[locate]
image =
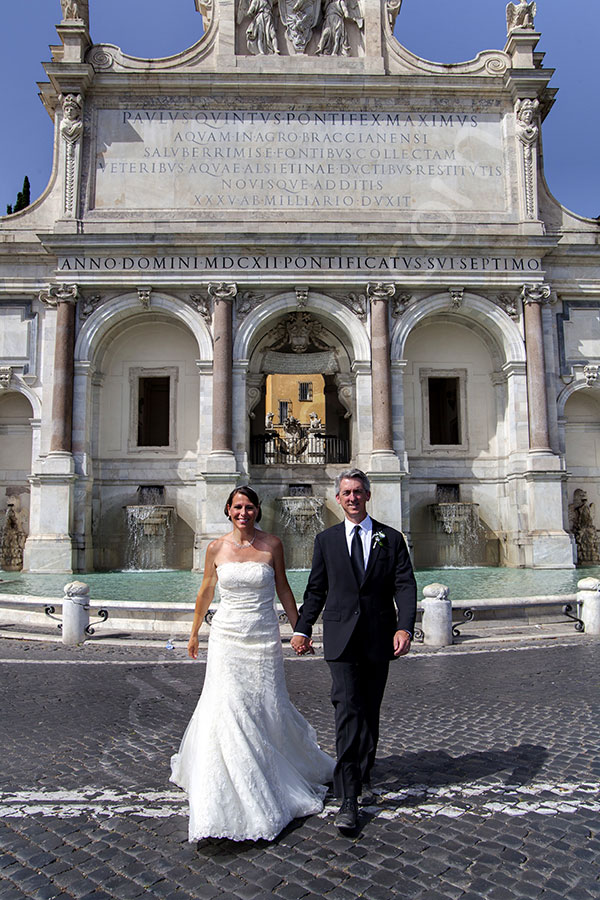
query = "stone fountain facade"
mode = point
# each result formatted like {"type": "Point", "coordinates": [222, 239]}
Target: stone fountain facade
{"type": "Point", "coordinates": [297, 194]}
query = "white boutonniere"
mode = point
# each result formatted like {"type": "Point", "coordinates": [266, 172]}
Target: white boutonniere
{"type": "Point", "coordinates": [378, 539]}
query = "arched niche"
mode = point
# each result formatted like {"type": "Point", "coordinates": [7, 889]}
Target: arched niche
{"type": "Point", "coordinates": [299, 383]}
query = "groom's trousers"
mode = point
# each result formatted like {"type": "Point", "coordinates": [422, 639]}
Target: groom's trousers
{"type": "Point", "coordinates": [358, 685]}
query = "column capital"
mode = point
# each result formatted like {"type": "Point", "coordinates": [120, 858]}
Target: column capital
{"type": "Point", "coordinates": [59, 293]}
{"type": "Point", "coordinates": [380, 290]}
{"type": "Point", "coordinates": [536, 293]}
{"type": "Point", "coordinates": [222, 290]}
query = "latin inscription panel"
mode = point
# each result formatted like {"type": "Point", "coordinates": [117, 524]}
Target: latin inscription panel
{"type": "Point", "coordinates": [269, 161]}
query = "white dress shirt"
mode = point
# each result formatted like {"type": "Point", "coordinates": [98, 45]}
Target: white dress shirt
{"type": "Point", "coordinates": [365, 534]}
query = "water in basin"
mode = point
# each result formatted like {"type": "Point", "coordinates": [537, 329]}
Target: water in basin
{"type": "Point", "coordinates": [178, 586]}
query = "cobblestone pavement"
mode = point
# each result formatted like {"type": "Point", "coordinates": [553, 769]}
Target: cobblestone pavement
{"type": "Point", "coordinates": [488, 779]}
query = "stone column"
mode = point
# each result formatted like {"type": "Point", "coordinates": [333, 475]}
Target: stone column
{"type": "Point", "coordinates": [381, 378]}
{"type": "Point", "coordinates": [534, 296]}
{"type": "Point", "coordinates": [222, 295]}
{"type": "Point", "coordinates": [219, 476]}
{"type": "Point", "coordinates": [64, 298]}
{"type": "Point", "coordinates": [50, 546]}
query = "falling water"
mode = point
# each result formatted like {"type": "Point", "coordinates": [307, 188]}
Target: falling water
{"type": "Point", "coordinates": [461, 537]}
{"type": "Point", "coordinates": [302, 519]}
{"type": "Point", "coordinates": [149, 526]}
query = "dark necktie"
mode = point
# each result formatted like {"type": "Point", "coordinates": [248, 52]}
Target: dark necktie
{"type": "Point", "coordinates": [357, 556]}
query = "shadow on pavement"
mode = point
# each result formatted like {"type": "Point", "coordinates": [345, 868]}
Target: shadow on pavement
{"type": "Point", "coordinates": [437, 768]}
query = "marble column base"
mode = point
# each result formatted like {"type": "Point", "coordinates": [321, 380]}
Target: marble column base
{"type": "Point", "coordinates": [50, 546]}
{"type": "Point", "coordinates": [386, 476]}
{"type": "Point", "coordinates": [219, 478]}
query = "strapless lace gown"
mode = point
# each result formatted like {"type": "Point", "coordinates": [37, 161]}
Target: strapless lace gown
{"type": "Point", "coordinates": [249, 762]}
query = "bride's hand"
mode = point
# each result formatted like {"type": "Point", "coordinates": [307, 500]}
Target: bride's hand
{"type": "Point", "coordinates": [192, 647]}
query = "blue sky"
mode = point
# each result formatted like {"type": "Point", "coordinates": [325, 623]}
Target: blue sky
{"type": "Point", "coordinates": [441, 30]}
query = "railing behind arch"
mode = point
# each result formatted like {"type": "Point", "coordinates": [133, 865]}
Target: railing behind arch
{"type": "Point", "coordinates": [321, 449]}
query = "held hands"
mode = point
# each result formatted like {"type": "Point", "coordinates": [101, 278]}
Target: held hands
{"type": "Point", "coordinates": [401, 643]}
{"type": "Point", "coordinates": [301, 644]}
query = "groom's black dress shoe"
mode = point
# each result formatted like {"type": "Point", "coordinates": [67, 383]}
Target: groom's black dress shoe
{"type": "Point", "coordinates": [347, 817]}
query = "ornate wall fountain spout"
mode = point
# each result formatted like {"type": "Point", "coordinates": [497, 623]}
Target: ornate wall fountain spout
{"type": "Point", "coordinates": [302, 519]}
{"type": "Point", "coordinates": [148, 526]}
{"type": "Point", "coordinates": [461, 537]}
{"type": "Point", "coordinates": [12, 542]}
{"type": "Point", "coordinates": [582, 526]}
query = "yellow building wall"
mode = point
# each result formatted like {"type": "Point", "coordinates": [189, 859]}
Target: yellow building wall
{"type": "Point", "coordinates": [286, 387]}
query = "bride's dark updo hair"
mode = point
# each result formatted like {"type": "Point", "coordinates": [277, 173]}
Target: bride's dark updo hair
{"type": "Point", "coordinates": [251, 495]}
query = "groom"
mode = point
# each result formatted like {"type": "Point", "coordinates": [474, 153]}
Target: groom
{"type": "Point", "coordinates": [362, 579]}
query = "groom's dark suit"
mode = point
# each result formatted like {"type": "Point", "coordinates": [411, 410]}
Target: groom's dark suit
{"type": "Point", "coordinates": [359, 623]}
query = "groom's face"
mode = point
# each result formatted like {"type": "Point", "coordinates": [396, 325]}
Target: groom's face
{"type": "Point", "coordinates": [353, 499]}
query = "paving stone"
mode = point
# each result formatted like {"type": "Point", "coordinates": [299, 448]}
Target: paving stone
{"type": "Point", "coordinates": [508, 733]}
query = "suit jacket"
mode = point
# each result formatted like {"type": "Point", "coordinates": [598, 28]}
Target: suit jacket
{"type": "Point", "coordinates": [385, 601]}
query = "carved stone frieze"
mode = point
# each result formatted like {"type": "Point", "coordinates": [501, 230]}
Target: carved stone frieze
{"type": "Point", "coordinates": [59, 293]}
{"type": "Point", "coordinates": [71, 129]}
{"type": "Point", "coordinates": [298, 333]}
{"type": "Point", "coordinates": [246, 301]}
{"type": "Point", "coordinates": [456, 297]}
{"type": "Point", "coordinates": [87, 305]}
{"type": "Point", "coordinates": [509, 304]}
{"type": "Point", "coordinates": [536, 293]}
{"type": "Point", "coordinates": [261, 32]}
{"type": "Point", "coordinates": [6, 374]}
{"type": "Point", "coordinates": [380, 291]}
{"type": "Point", "coordinates": [300, 17]}
{"type": "Point", "coordinates": [591, 375]}
{"type": "Point", "coordinates": [334, 39]}
{"type": "Point", "coordinates": [202, 305]}
{"type": "Point", "coordinates": [400, 303]}
{"type": "Point", "coordinates": [144, 295]}
{"type": "Point", "coordinates": [301, 296]}
{"type": "Point", "coordinates": [526, 113]}
{"type": "Point", "coordinates": [254, 386]}
{"type": "Point", "coordinates": [222, 290]}
{"type": "Point", "coordinates": [206, 10]}
{"type": "Point", "coordinates": [345, 392]}
{"type": "Point", "coordinates": [392, 8]}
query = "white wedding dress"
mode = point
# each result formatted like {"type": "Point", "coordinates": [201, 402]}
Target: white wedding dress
{"type": "Point", "coordinates": [249, 762]}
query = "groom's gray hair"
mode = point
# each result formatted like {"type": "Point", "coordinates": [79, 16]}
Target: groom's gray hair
{"type": "Point", "coordinates": [352, 473]}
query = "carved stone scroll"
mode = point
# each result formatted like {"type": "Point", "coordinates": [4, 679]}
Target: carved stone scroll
{"type": "Point", "coordinates": [59, 293]}
{"type": "Point", "coordinates": [71, 129]}
{"type": "Point", "coordinates": [526, 112]}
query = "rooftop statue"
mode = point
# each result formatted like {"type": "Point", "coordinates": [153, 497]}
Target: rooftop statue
{"type": "Point", "coordinates": [393, 8]}
{"type": "Point", "coordinates": [520, 15]}
{"type": "Point", "coordinates": [76, 11]}
{"type": "Point", "coordinates": [300, 17]}
{"type": "Point", "coordinates": [261, 33]}
{"type": "Point", "coordinates": [334, 36]}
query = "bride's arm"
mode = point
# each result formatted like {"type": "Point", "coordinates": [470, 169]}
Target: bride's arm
{"type": "Point", "coordinates": [204, 598]}
{"type": "Point", "coordinates": [284, 591]}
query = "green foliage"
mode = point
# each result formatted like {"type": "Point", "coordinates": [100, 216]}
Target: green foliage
{"type": "Point", "coordinates": [23, 198]}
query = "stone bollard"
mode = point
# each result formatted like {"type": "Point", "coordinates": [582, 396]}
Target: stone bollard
{"type": "Point", "coordinates": [437, 615]}
{"type": "Point", "coordinates": [588, 598]}
{"type": "Point", "coordinates": [76, 612]}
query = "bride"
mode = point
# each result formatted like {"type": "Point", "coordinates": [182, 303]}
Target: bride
{"type": "Point", "coordinates": [249, 762]}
